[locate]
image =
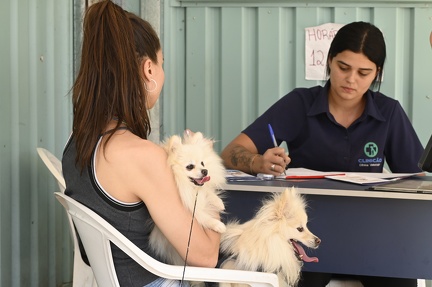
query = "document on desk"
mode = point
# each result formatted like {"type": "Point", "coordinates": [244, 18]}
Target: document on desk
{"type": "Point", "coordinates": [305, 173]}
{"type": "Point", "coordinates": [364, 178]}
{"type": "Point", "coordinates": [370, 178]}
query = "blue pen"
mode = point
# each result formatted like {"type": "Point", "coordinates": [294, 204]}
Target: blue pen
{"type": "Point", "coordinates": [273, 138]}
{"type": "Point", "coordinates": [272, 135]}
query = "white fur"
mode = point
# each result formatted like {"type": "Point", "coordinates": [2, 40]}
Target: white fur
{"type": "Point", "coordinates": [263, 243]}
{"type": "Point", "coordinates": [188, 157]}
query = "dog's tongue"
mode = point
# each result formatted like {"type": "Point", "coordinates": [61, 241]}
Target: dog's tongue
{"type": "Point", "coordinates": [303, 254]}
{"type": "Point", "coordinates": [204, 179]}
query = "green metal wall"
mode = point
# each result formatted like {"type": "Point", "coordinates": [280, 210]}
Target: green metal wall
{"type": "Point", "coordinates": [225, 63]}
{"type": "Point", "coordinates": [39, 46]}
{"type": "Point", "coordinates": [228, 61]}
{"type": "Point", "coordinates": [35, 76]}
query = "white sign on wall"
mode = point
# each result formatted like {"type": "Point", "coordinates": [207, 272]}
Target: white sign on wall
{"type": "Point", "coordinates": [317, 44]}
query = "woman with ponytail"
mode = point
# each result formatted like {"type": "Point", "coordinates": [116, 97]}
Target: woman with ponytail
{"type": "Point", "coordinates": [108, 163]}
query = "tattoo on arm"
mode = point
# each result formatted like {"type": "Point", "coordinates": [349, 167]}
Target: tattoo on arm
{"type": "Point", "coordinates": [240, 156]}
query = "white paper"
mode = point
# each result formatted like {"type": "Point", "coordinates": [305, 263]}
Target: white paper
{"type": "Point", "coordinates": [306, 173]}
{"type": "Point", "coordinates": [366, 178]}
{"type": "Point", "coordinates": [317, 44]}
{"type": "Point", "coordinates": [352, 177]}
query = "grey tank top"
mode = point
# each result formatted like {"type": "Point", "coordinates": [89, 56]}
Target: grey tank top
{"type": "Point", "coordinates": [133, 220]}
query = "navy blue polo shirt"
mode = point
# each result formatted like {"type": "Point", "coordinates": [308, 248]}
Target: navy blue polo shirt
{"type": "Point", "coordinates": [316, 141]}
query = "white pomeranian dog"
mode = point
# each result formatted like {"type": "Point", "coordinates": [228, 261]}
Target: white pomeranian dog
{"type": "Point", "coordinates": [269, 241]}
{"type": "Point", "coordinates": [199, 174]}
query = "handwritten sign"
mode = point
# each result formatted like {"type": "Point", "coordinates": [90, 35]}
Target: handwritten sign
{"type": "Point", "coordinates": [317, 44]}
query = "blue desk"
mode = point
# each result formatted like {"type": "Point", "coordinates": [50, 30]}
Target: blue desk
{"type": "Point", "coordinates": [362, 232]}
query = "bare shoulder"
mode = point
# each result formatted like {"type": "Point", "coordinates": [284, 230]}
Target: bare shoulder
{"type": "Point", "coordinates": [129, 166]}
{"type": "Point", "coordinates": [150, 175]}
{"type": "Point", "coordinates": [139, 153]}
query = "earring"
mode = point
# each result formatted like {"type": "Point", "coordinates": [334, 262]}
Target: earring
{"type": "Point", "coordinates": [155, 87]}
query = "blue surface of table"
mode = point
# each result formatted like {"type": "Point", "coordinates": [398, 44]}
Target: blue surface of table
{"type": "Point", "coordinates": [361, 235]}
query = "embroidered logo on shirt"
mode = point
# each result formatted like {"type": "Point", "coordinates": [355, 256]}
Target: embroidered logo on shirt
{"type": "Point", "coordinates": [370, 149]}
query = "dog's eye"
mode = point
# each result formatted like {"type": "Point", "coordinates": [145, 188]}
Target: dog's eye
{"type": "Point", "coordinates": [190, 167]}
{"type": "Point", "coordinates": [202, 163]}
{"type": "Point", "coordinates": [300, 229]}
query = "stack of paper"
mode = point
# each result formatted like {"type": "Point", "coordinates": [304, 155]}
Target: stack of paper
{"type": "Point", "coordinates": [363, 178]}
{"type": "Point", "coordinates": [294, 173]}
{"type": "Point", "coordinates": [366, 178]}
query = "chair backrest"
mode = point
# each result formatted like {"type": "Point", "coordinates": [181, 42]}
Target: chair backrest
{"type": "Point", "coordinates": [82, 273]}
{"type": "Point", "coordinates": [54, 165]}
{"type": "Point", "coordinates": [97, 234]}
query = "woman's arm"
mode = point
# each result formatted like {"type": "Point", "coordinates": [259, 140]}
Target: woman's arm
{"type": "Point", "coordinates": [242, 154]}
{"type": "Point", "coordinates": [133, 170]}
{"type": "Point", "coordinates": [157, 188]}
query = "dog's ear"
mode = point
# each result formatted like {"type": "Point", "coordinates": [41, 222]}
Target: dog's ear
{"type": "Point", "coordinates": [192, 137]}
{"type": "Point", "coordinates": [188, 133]}
{"type": "Point", "coordinates": [285, 201]}
{"type": "Point", "coordinates": [282, 202]}
{"type": "Point", "coordinates": [210, 142]}
{"type": "Point", "coordinates": [198, 136]}
{"type": "Point", "coordinates": [292, 191]}
{"type": "Point", "coordinates": [173, 143]}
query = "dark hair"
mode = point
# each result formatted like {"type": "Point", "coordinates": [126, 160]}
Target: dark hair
{"type": "Point", "coordinates": [109, 84]}
{"type": "Point", "coordinates": [361, 37]}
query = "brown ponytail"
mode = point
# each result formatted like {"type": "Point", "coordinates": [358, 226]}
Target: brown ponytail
{"type": "Point", "coordinates": [109, 83]}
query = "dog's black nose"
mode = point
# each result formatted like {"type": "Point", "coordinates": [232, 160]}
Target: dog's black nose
{"type": "Point", "coordinates": [317, 241]}
{"type": "Point", "coordinates": [204, 172]}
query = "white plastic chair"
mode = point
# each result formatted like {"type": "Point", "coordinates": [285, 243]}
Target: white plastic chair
{"type": "Point", "coordinates": [97, 234]}
{"type": "Point", "coordinates": [54, 166]}
{"type": "Point", "coordinates": [82, 273]}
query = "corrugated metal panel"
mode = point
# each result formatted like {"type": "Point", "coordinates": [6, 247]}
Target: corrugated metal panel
{"type": "Point", "coordinates": [239, 57]}
{"type": "Point", "coordinates": [226, 62]}
{"type": "Point", "coordinates": [36, 73]}
{"type": "Point", "coordinates": [40, 42]}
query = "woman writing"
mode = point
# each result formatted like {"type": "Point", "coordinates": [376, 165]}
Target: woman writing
{"type": "Point", "coordinates": [108, 163]}
{"type": "Point", "coordinates": [343, 126]}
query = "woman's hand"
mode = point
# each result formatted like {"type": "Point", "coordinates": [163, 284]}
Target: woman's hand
{"type": "Point", "coordinates": [274, 161]}
{"type": "Point", "coordinates": [242, 154]}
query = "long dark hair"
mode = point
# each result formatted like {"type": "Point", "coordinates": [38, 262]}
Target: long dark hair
{"type": "Point", "coordinates": [109, 84]}
{"type": "Point", "coordinates": [361, 37]}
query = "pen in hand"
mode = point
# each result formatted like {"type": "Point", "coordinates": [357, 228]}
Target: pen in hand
{"type": "Point", "coordinates": [273, 139]}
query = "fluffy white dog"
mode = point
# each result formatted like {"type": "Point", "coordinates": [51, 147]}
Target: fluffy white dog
{"type": "Point", "coordinates": [269, 241]}
{"type": "Point", "coordinates": [198, 171]}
